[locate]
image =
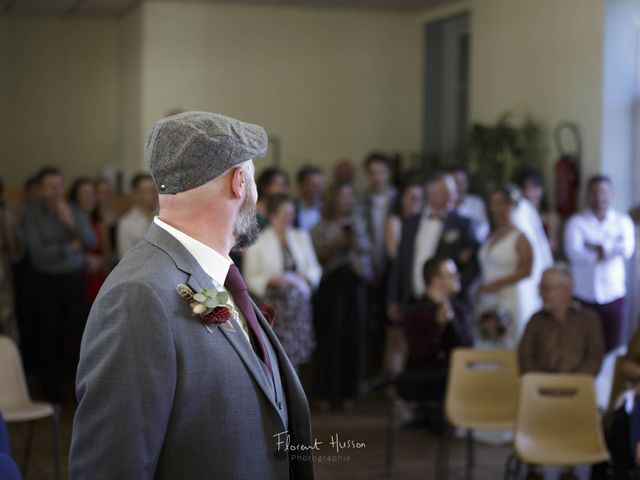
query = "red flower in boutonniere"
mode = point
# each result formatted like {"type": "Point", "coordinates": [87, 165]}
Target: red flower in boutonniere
{"type": "Point", "coordinates": [269, 313]}
{"type": "Point", "coordinates": [212, 306]}
{"type": "Point", "coordinates": [218, 315]}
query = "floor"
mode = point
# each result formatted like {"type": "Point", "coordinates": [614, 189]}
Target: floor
{"type": "Point", "coordinates": [362, 427]}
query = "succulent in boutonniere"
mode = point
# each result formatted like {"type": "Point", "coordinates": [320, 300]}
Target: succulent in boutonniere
{"type": "Point", "coordinates": [211, 305]}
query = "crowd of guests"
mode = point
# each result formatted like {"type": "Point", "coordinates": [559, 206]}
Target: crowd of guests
{"type": "Point", "coordinates": [58, 245]}
{"type": "Point", "coordinates": [364, 285]}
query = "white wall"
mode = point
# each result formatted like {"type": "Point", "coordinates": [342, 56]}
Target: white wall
{"type": "Point", "coordinates": [328, 83]}
{"type": "Point", "coordinates": [619, 98]}
{"type": "Point", "coordinates": [544, 59]}
{"type": "Point", "coordinates": [59, 95]}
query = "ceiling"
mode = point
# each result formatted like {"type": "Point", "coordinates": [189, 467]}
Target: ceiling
{"type": "Point", "coordinates": [121, 7]}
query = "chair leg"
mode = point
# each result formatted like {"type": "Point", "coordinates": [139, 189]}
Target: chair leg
{"type": "Point", "coordinates": [511, 467]}
{"type": "Point", "coordinates": [442, 455]}
{"type": "Point", "coordinates": [55, 420]}
{"type": "Point", "coordinates": [470, 454]}
{"type": "Point", "coordinates": [391, 437]}
{"type": "Point", "coordinates": [27, 449]}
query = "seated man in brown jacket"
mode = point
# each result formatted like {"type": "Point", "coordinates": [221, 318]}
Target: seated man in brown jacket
{"type": "Point", "coordinates": [560, 338]}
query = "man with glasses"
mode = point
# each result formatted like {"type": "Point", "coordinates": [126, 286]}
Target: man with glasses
{"type": "Point", "coordinates": [562, 337]}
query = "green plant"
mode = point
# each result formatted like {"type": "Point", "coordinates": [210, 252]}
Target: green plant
{"type": "Point", "coordinates": [493, 152]}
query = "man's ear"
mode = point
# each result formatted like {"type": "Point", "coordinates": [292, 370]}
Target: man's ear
{"type": "Point", "coordinates": [238, 182]}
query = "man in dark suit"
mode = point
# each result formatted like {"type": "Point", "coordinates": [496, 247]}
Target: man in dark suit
{"type": "Point", "coordinates": [439, 231]}
{"type": "Point", "coordinates": [180, 375]}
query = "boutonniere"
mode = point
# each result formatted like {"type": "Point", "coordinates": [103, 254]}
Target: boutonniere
{"type": "Point", "coordinates": [269, 313]}
{"type": "Point", "coordinates": [450, 235]}
{"type": "Point", "coordinates": [212, 306]}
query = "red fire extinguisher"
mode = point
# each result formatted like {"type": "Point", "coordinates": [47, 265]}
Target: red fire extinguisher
{"type": "Point", "coordinates": [567, 170]}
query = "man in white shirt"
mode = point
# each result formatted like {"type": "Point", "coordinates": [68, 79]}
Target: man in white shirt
{"type": "Point", "coordinates": [377, 202]}
{"type": "Point", "coordinates": [310, 189]}
{"type": "Point", "coordinates": [133, 226]}
{"type": "Point", "coordinates": [597, 242]}
{"type": "Point", "coordinates": [469, 205]}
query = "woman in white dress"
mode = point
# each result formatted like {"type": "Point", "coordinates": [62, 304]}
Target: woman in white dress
{"type": "Point", "coordinates": [506, 261]}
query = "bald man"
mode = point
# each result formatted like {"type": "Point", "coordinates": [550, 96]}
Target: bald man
{"type": "Point", "coordinates": [562, 337]}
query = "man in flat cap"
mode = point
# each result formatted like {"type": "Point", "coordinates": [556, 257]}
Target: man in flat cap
{"type": "Point", "coordinates": [180, 375]}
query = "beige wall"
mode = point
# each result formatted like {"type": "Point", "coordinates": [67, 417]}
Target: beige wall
{"type": "Point", "coordinates": [59, 95]}
{"type": "Point", "coordinates": [130, 99]}
{"type": "Point", "coordinates": [543, 59]}
{"type": "Point", "coordinates": [329, 84]}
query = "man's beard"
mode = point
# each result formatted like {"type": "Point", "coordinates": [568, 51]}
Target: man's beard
{"type": "Point", "coordinates": [245, 229]}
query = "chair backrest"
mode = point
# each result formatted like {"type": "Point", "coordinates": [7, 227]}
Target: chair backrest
{"type": "Point", "coordinates": [558, 411]}
{"type": "Point", "coordinates": [483, 387]}
{"type": "Point", "coordinates": [14, 386]}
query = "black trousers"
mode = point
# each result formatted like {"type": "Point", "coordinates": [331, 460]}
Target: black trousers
{"type": "Point", "coordinates": [59, 301]}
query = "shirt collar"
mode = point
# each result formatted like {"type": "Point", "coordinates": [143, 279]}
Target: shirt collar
{"type": "Point", "coordinates": [213, 263]}
{"type": "Point", "coordinates": [607, 216]}
{"type": "Point", "coordinates": [429, 214]}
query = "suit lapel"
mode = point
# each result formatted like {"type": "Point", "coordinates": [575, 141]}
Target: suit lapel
{"type": "Point", "coordinates": [199, 280]}
{"type": "Point", "coordinates": [239, 342]}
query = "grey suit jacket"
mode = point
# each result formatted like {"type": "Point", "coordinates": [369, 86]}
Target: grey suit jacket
{"type": "Point", "coordinates": [161, 397]}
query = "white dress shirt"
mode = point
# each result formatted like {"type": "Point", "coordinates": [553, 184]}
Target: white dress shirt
{"type": "Point", "coordinates": [597, 281]}
{"type": "Point", "coordinates": [425, 246]}
{"type": "Point", "coordinates": [379, 212]}
{"type": "Point", "coordinates": [213, 263]}
{"type": "Point", "coordinates": [132, 228]}
{"type": "Point", "coordinates": [308, 217]}
{"type": "Point", "coordinates": [473, 208]}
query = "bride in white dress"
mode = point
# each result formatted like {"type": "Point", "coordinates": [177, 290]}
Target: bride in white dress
{"type": "Point", "coordinates": [506, 260]}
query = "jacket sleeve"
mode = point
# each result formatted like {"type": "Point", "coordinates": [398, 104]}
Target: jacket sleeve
{"type": "Point", "coordinates": [255, 270]}
{"type": "Point", "coordinates": [84, 230]}
{"type": "Point", "coordinates": [41, 251]}
{"type": "Point", "coordinates": [623, 244]}
{"type": "Point", "coordinates": [574, 244]}
{"type": "Point", "coordinates": [312, 269]}
{"type": "Point", "coordinates": [594, 348]}
{"type": "Point", "coordinates": [527, 350]}
{"type": "Point", "coordinates": [125, 386]}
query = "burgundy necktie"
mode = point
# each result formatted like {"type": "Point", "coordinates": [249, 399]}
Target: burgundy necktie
{"type": "Point", "coordinates": [238, 289]}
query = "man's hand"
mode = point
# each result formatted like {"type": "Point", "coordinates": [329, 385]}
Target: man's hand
{"type": "Point", "coordinates": [464, 255]}
{"type": "Point", "coordinates": [445, 313]}
{"type": "Point", "coordinates": [491, 287]}
{"type": "Point", "coordinates": [279, 282]}
{"type": "Point", "coordinates": [63, 210]}
{"type": "Point", "coordinates": [394, 312]}
{"type": "Point", "coordinates": [598, 249]}
{"type": "Point", "coordinates": [75, 245]}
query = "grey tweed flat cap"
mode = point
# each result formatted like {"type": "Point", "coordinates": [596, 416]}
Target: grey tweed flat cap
{"type": "Point", "coordinates": [187, 150]}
